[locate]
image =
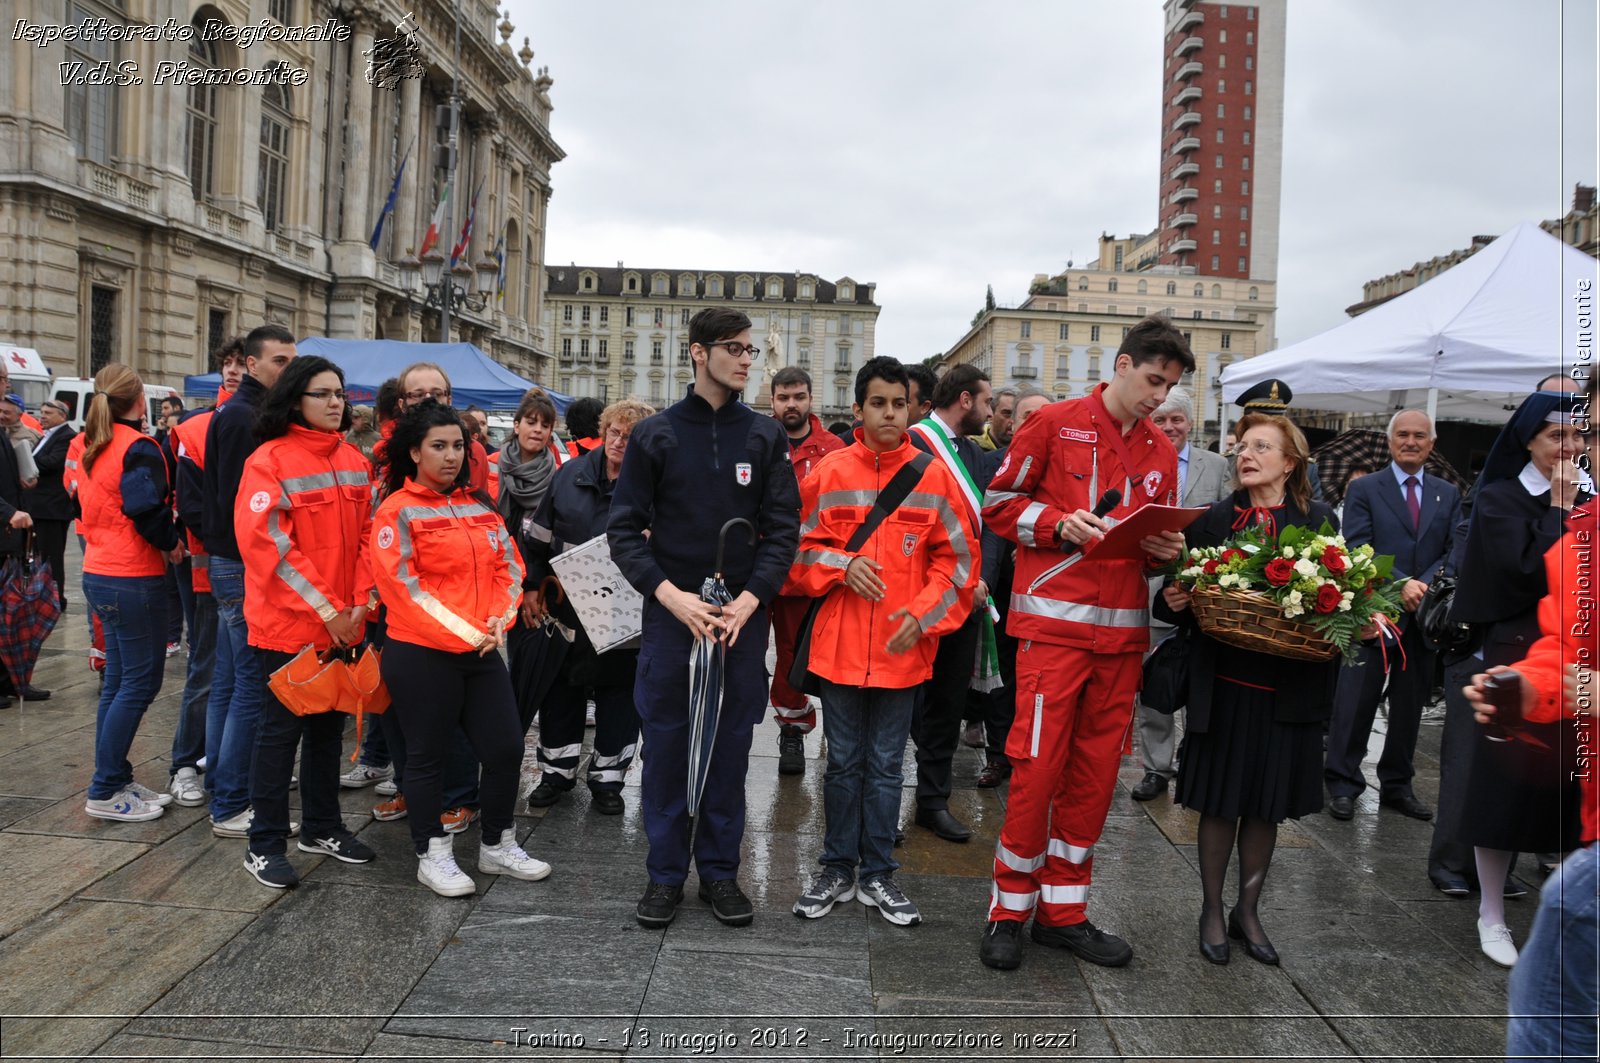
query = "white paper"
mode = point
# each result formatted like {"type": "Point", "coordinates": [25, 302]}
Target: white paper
{"type": "Point", "coordinates": [608, 607]}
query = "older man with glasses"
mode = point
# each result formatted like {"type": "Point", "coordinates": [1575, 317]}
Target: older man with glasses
{"type": "Point", "coordinates": [48, 501]}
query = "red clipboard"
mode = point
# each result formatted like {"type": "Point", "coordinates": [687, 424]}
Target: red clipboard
{"type": "Point", "coordinates": [1121, 543]}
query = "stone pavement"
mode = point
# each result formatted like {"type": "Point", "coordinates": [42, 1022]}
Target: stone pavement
{"type": "Point", "coordinates": [149, 941]}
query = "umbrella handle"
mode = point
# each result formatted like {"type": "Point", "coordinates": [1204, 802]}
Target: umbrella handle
{"type": "Point", "coordinates": [722, 539]}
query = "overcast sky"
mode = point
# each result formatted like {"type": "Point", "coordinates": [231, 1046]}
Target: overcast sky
{"type": "Point", "coordinates": [939, 147]}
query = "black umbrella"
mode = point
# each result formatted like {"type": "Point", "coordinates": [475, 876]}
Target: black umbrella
{"type": "Point", "coordinates": [705, 675]}
{"type": "Point", "coordinates": [1368, 448]}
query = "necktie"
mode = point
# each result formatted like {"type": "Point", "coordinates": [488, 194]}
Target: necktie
{"type": "Point", "coordinates": [1414, 502]}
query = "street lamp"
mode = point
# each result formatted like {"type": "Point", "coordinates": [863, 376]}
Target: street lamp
{"type": "Point", "coordinates": [426, 283]}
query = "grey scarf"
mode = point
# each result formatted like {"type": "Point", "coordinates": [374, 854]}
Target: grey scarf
{"type": "Point", "coordinates": [523, 481]}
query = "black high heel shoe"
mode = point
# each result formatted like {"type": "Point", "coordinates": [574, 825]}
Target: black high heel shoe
{"type": "Point", "coordinates": [1217, 954]}
{"type": "Point", "coordinates": [1262, 953]}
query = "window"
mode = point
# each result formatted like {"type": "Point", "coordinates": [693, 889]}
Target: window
{"type": "Point", "coordinates": [1247, 114]}
{"type": "Point", "coordinates": [281, 11]}
{"type": "Point", "coordinates": [1216, 291]}
{"type": "Point", "coordinates": [1222, 36]}
{"type": "Point", "coordinates": [1221, 111]}
{"type": "Point", "coordinates": [1249, 63]}
{"type": "Point", "coordinates": [566, 313]}
{"type": "Point", "coordinates": [1083, 308]}
{"type": "Point", "coordinates": [683, 353]}
{"type": "Point", "coordinates": [686, 285]}
{"type": "Point", "coordinates": [588, 282]}
{"type": "Point", "coordinates": [658, 284]}
{"type": "Point", "coordinates": [1027, 330]}
{"type": "Point", "coordinates": [683, 318]}
{"type": "Point", "coordinates": [1245, 165]}
{"type": "Point", "coordinates": [805, 289]}
{"type": "Point", "coordinates": [1242, 266]}
{"type": "Point", "coordinates": [202, 128]}
{"type": "Point", "coordinates": [605, 315]}
{"type": "Point", "coordinates": [566, 347]}
{"type": "Point", "coordinates": [1244, 188]}
{"type": "Point", "coordinates": [91, 109]}
{"type": "Point", "coordinates": [216, 328]}
{"type": "Point", "coordinates": [1083, 284]}
{"type": "Point", "coordinates": [1222, 62]}
{"type": "Point", "coordinates": [655, 352]}
{"type": "Point", "coordinates": [627, 352]}
{"type": "Point", "coordinates": [1247, 87]}
{"type": "Point", "coordinates": [627, 316]}
{"type": "Point", "coordinates": [1216, 186]}
{"type": "Point", "coordinates": [1141, 311]}
{"type": "Point", "coordinates": [1216, 236]}
{"type": "Point", "coordinates": [1199, 291]}
{"type": "Point", "coordinates": [1199, 314]}
{"type": "Point", "coordinates": [1224, 10]}
{"type": "Point", "coordinates": [1250, 14]}
{"type": "Point", "coordinates": [1216, 210]}
{"type": "Point", "coordinates": [841, 396]}
{"type": "Point", "coordinates": [714, 287]}
{"type": "Point", "coordinates": [584, 316]}
{"type": "Point", "coordinates": [1219, 157]}
{"type": "Point", "coordinates": [1227, 340]}
{"type": "Point", "coordinates": [1250, 37]}
{"type": "Point", "coordinates": [1094, 362]}
{"type": "Point", "coordinates": [744, 288]}
{"type": "Point", "coordinates": [273, 175]}
{"type": "Point", "coordinates": [1172, 287]}
{"type": "Point", "coordinates": [583, 348]}
{"type": "Point", "coordinates": [601, 355]}
{"type": "Point", "coordinates": [1243, 240]}
{"type": "Point", "coordinates": [1111, 285]}
{"type": "Point", "coordinates": [843, 363]}
{"type": "Point", "coordinates": [1144, 286]}
{"type": "Point", "coordinates": [1112, 309]}
{"type": "Point", "coordinates": [1061, 331]}
{"type": "Point", "coordinates": [847, 294]}
{"type": "Point", "coordinates": [774, 288]}
{"type": "Point", "coordinates": [1254, 294]}
{"type": "Point", "coordinates": [1247, 138]}
{"type": "Point", "coordinates": [655, 393]}
{"type": "Point", "coordinates": [1219, 141]}
{"type": "Point", "coordinates": [660, 317]}
{"type": "Point", "coordinates": [1094, 337]}
{"type": "Point", "coordinates": [1244, 213]}
{"type": "Point", "coordinates": [1222, 85]}
{"type": "Point", "coordinates": [633, 285]}
{"type": "Point", "coordinates": [1216, 263]}
{"type": "Point", "coordinates": [805, 323]}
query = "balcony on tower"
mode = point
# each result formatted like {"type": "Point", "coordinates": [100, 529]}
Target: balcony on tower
{"type": "Point", "coordinates": [1183, 195]}
{"type": "Point", "coordinates": [1185, 145]}
{"type": "Point", "coordinates": [1190, 21]}
{"type": "Point", "coordinates": [1190, 44]}
{"type": "Point", "coordinates": [1190, 93]}
{"type": "Point", "coordinates": [1184, 169]}
{"type": "Point", "coordinates": [1185, 120]}
{"type": "Point", "coordinates": [1179, 247]}
{"type": "Point", "coordinates": [1188, 70]}
{"type": "Point", "coordinates": [1184, 220]}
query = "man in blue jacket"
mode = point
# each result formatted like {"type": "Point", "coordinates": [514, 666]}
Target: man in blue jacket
{"type": "Point", "coordinates": [701, 462]}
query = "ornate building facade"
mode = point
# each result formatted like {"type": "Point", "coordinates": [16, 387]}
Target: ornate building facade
{"type": "Point", "coordinates": [173, 172]}
{"type": "Point", "coordinates": [625, 331]}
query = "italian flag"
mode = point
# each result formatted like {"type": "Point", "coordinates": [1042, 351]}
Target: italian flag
{"type": "Point", "coordinates": [437, 224]}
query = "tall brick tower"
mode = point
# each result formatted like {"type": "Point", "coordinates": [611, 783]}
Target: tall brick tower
{"type": "Point", "coordinates": [1221, 137]}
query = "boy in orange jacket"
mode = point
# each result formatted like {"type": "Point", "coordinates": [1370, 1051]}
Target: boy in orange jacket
{"type": "Point", "coordinates": [875, 635]}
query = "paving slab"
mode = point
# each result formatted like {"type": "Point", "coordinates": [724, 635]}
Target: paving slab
{"type": "Point", "coordinates": [192, 869]}
{"type": "Point", "coordinates": [324, 950]}
{"type": "Point", "coordinates": [602, 887]}
{"type": "Point", "coordinates": [37, 721]}
{"type": "Point", "coordinates": [90, 948]}
{"type": "Point", "coordinates": [63, 764]}
{"type": "Point", "coordinates": [15, 808]}
{"type": "Point", "coordinates": [571, 977]}
{"type": "Point", "coordinates": [42, 872]}
{"type": "Point", "coordinates": [67, 817]}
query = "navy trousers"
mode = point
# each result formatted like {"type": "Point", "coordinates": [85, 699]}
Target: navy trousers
{"type": "Point", "coordinates": [661, 692]}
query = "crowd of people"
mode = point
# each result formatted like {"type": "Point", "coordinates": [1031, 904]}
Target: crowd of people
{"type": "Point", "coordinates": [928, 572]}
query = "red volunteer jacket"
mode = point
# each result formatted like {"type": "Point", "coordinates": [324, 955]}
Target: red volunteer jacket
{"type": "Point", "coordinates": [818, 445]}
{"type": "Point", "coordinates": [1063, 459]}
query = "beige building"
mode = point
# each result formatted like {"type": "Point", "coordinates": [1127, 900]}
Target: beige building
{"type": "Point", "coordinates": [239, 179]}
{"type": "Point", "coordinates": [1064, 336]}
{"type": "Point", "coordinates": [625, 330]}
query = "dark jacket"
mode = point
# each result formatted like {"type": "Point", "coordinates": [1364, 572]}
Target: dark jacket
{"type": "Point", "coordinates": [48, 500]}
{"type": "Point", "coordinates": [10, 498]}
{"type": "Point", "coordinates": [1304, 690]}
{"type": "Point", "coordinates": [690, 469]}
{"type": "Point", "coordinates": [1501, 578]}
{"type": "Point", "coordinates": [230, 440]}
{"type": "Point", "coordinates": [1375, 512]}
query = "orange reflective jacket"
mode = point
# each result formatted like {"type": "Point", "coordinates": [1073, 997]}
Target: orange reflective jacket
{"type": "Point", "coordinates": [190, 446]}
{"type": "Point", "coordinates": [445, 566]}
{"type": "Point", "coordinates": [112, 545]}
{"type": "Point", "coordinates": [72, 472]}
{"type": "Point", "coordinates": [928, 556]}
{"type": "Point", "coordinates": [302, 519]}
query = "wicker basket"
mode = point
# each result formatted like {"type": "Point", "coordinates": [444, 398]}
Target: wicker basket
{"type": "Point", "coordinates": [1252, 621]}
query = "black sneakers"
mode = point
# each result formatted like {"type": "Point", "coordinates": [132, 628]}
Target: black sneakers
{"type": "Point", "coordinates": [271, 869]}
{"type": "Point", "coordinates": [791, 751]}
{"type": "Point", "coordinates": [1086, 942]}
{"type": "Point", "coordinates": [1001, 947]}
{"type": "Point", "coordinates": [728, 902]}
{"type": "Point", "coordinates": [659, 905]}
{"type": "Point", "coordinates": [340, 844]}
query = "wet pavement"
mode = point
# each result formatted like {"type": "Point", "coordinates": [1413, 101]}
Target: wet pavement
{"type": "Point", "coordinates": [150, 941]}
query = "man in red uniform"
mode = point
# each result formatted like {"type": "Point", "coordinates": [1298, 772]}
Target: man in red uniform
{"type": "Point", "coordinates": [808, 442]}
{"type": "Point", "coordinates": [1083, 625]}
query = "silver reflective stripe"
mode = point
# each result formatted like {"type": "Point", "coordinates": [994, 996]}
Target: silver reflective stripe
{"type": "Point", "coordinates": [560, 771]}
{"type": "Point", "coordinates": [456, 625]}
{"type": "Point", "coordinates": [351, 477]}
{"type": "Point", "coordinates": [1055, 570]}
{"type": "Point", "coordinates": [540, 534]}
{"type": "Point", "coordinates": [1024, 864]}
{"type": "Point", "coordinates": [829, 499]}
{"type": "Point", "coordinates": [993, 497]}
{"type": "Point", "coordinates": [570, 752]}
{"type": "Point", "coordinates": [606, 775]}
{"type": "Point", "coordinates": [1077, 613]}
{"type": "Point", "coordinates": [1022, 473]}
{"type": "Point", "coordinates": [1038, 714]}
{"type": "Point", "coordinates": [791, 714]}
{"type": "Point", "coordinates": [297, 580]}
{"type": "Point", "coordinates": [946, 602]}
{"type": "Point", "coordinates": [1012, 902]}
{"type": "Point", "coordinates": [830, 558]}
{"type": "Point", "coordinates": [954, 529]}
{"type": "Point", "coordinates": [1065, 894]}
{"type": "Point", "coordinates": [1025, 523]}
{"type": "Point", "coordinates": [610, 762]}
{"type": "Point", "coordinates": [1076, 854]}
{"type": "Point", "coordinates": [1094, 476]}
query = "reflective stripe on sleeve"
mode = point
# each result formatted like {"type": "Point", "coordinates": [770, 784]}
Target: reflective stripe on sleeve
{"type": "Point", "coordinates": [1026, 522]}
{"type": "Point", "coordinates": [296, 580]}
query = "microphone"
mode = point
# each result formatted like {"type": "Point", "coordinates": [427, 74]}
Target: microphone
{"type": "Point", "coordinates": [1108, 501]}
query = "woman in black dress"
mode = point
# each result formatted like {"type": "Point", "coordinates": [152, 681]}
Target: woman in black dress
{"type": "Point", "coordinates": [1518, 796]}
{"type": "Point", "coordinates": [1252, 752]}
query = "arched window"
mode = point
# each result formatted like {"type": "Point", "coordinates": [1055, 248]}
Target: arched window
{"type": "Point", "coordinates": [202, 118]}
{"type": "Point", "coordinates": [1254, 294]}
{"type": "Point", "coordinates": [1216, 291]}
{"type": "Point", "coordinates": [512, 269]}
{"type": "Point", "coordinates": [774, 288]}
{"type": "Point", "coordinates": [1199, 291]}
{"type": "Point", "coordinates": [273, 180]}
{"type": "Point", "coordinates": [1144, 286]}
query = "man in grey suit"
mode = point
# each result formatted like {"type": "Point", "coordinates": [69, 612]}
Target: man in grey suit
{"type": "Point", "coordinates": [1403, 511]}
{"type": "Point", "coordinates": [1204, 477]}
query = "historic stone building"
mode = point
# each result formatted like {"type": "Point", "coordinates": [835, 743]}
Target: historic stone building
{"type": "Point", "coordinates": [625, 330]}
{"type": "Point", "coordinates": [235, 174]}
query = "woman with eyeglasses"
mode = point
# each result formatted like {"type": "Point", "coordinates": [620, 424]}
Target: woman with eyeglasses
{"type": "Point", "coordinates": [302, 515]}
{"type": "Point", "coordinates": [1252, 749]}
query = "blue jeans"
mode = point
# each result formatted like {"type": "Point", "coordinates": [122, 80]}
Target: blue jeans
{"type": "Point", "coordinates": [234, 709]}
{"type": "Point", "coordinates": [133, 615]}
{"type": "Point", "coordinates": [1555, 986]}
{"type": "Point", "coordinates": [189, 741]}
{"type": "Point", "coordinates": [866, 730]}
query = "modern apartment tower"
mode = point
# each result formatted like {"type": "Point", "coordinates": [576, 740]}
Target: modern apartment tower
{"type": "Point", "coordinates": [1221, 138]}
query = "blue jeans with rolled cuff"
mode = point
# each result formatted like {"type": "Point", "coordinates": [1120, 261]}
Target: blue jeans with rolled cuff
{"type": "Point", "coordinates": [133, 616]}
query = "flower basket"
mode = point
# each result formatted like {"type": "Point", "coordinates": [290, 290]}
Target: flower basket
{"type": "Point", "coordinates": [1253, 621]}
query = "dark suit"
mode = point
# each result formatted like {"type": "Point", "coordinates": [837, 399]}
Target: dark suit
{"type": "Point", "coordinates": [1375, 512]}
{"type": "Point", "coordinates": [50, 505]}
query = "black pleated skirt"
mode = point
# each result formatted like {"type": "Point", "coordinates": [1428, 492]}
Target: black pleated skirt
{"type": "Point", "coordinates": [1248, 764]}
{"type": "Point", "coordinates": [1519, 797]}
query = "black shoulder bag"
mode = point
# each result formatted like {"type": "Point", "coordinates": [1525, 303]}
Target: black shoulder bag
{"type": "Point", "coordinates": [894, 492]}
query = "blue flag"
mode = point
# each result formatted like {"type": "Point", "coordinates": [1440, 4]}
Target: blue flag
{"type": "Point", "coordinates": [388, 204]}
{"type": "Point", "coordinates": [500, 260]}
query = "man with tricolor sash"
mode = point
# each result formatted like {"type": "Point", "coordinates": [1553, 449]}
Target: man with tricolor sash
{"type": "Point", "coordinates": [1071, 471]}
{"type": "Point", "coordinates": [960, 409]}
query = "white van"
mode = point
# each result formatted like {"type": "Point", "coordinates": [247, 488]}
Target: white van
{"type": "Point", "coordinates": [75, 392]}
{"type": "Point", "coordinates": [30, 380]}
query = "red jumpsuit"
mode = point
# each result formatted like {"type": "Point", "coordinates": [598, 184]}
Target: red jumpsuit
{"type": "Point", "coordinates": [1083, 627]}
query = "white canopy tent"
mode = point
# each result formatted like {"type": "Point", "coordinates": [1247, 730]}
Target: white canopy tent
{"type": "Point", "coordinates": [1469, 343]}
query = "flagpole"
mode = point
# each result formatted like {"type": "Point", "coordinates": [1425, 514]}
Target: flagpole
{"type": "Point", "coordinates": [446, 285]}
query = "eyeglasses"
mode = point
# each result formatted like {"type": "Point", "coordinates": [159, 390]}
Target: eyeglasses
{"type": "Point", "coordinates": [324, 394]}
{"type": "Point", "coordinates": [437, 395]}
{"type": "Point", "coordinates": [738, 350]}
{"type": "Point", "coordinates": [1258, 447]}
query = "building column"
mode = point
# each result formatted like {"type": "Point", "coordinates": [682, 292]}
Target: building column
{"type": "Point", "coordinates": [405, 208]}
{"type": "Point", "coordinates": [358, 142]}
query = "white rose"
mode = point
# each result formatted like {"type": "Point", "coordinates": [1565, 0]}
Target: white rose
{"type": "Point", "coordinates": [1304, 567]}
{"type": "Point", "coordinates": [1344, 606]}
{"type": "Point", "coordinates": [1294, 598]}
{"type": "Point", "coordinates": [1288, 551]}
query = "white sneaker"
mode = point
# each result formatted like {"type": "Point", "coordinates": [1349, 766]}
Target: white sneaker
{"type": "Point", "coordinates": [201, 764]}
{"type": "Point", "coordinates": [124, 805]}
{"type": "Point", "coordinates": [437, 870]}
{"type": "Point", "coordinates": [1497, 944]}
{"type": "Point", "coordinates": [185, 788]}
{"type": "Point", "coordinates": [147, 795]}
{"type": "Point", "coordinates": [363, 775]}
{"type": "Point", "coordinates": [238, 826]}
{"type": "Point", "coordinates": [387, 788]}
{"type": "Point", "coordinates": [507, 858]}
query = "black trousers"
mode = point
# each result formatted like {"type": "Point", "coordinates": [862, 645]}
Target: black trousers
{"type": "Point", "coordinates": [279, 733]}
{"type": "Point", "coordinates": [1355, 706]}
{"type": "Point", "coordinates": [50, 543]}
{"type": "Point", "coordinates": [936, 723]}
{"type": "Point", "coordinates": [433, 693]}
{"type": "Point", "coordinates": [1448, 858]}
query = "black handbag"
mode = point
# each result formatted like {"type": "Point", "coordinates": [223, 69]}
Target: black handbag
{"type": "Point", "coordinates": [1439, 632]}
{"type": "Point", "coordinates": [894, 492]}
{"type": "Point", "coordinates": [1166, 674]}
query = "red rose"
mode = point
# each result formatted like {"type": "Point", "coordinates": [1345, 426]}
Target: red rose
{"type": "Point", "coordinates": [1280, 570]}
{"type": "Point", "coordinates": [1333, 560]}
{"type": "Point", "coordinates": [1328, 598]}
{"type": "Point", "coordinates": [1230, 554]}
{"type": "Point", "coordinates": [1210, 567]}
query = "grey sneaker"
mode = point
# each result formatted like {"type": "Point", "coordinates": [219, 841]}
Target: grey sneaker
{"type": "Point", "coordinates": [147, 795]}
{"type": "Point", "coordinates": [124, 805]}
{"type": "Point", "coordinates": [364, 775]}
{"type": "Point", "coordinates": [882, 893]}
{"type": "Point", "coordinates": [830, 887]}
